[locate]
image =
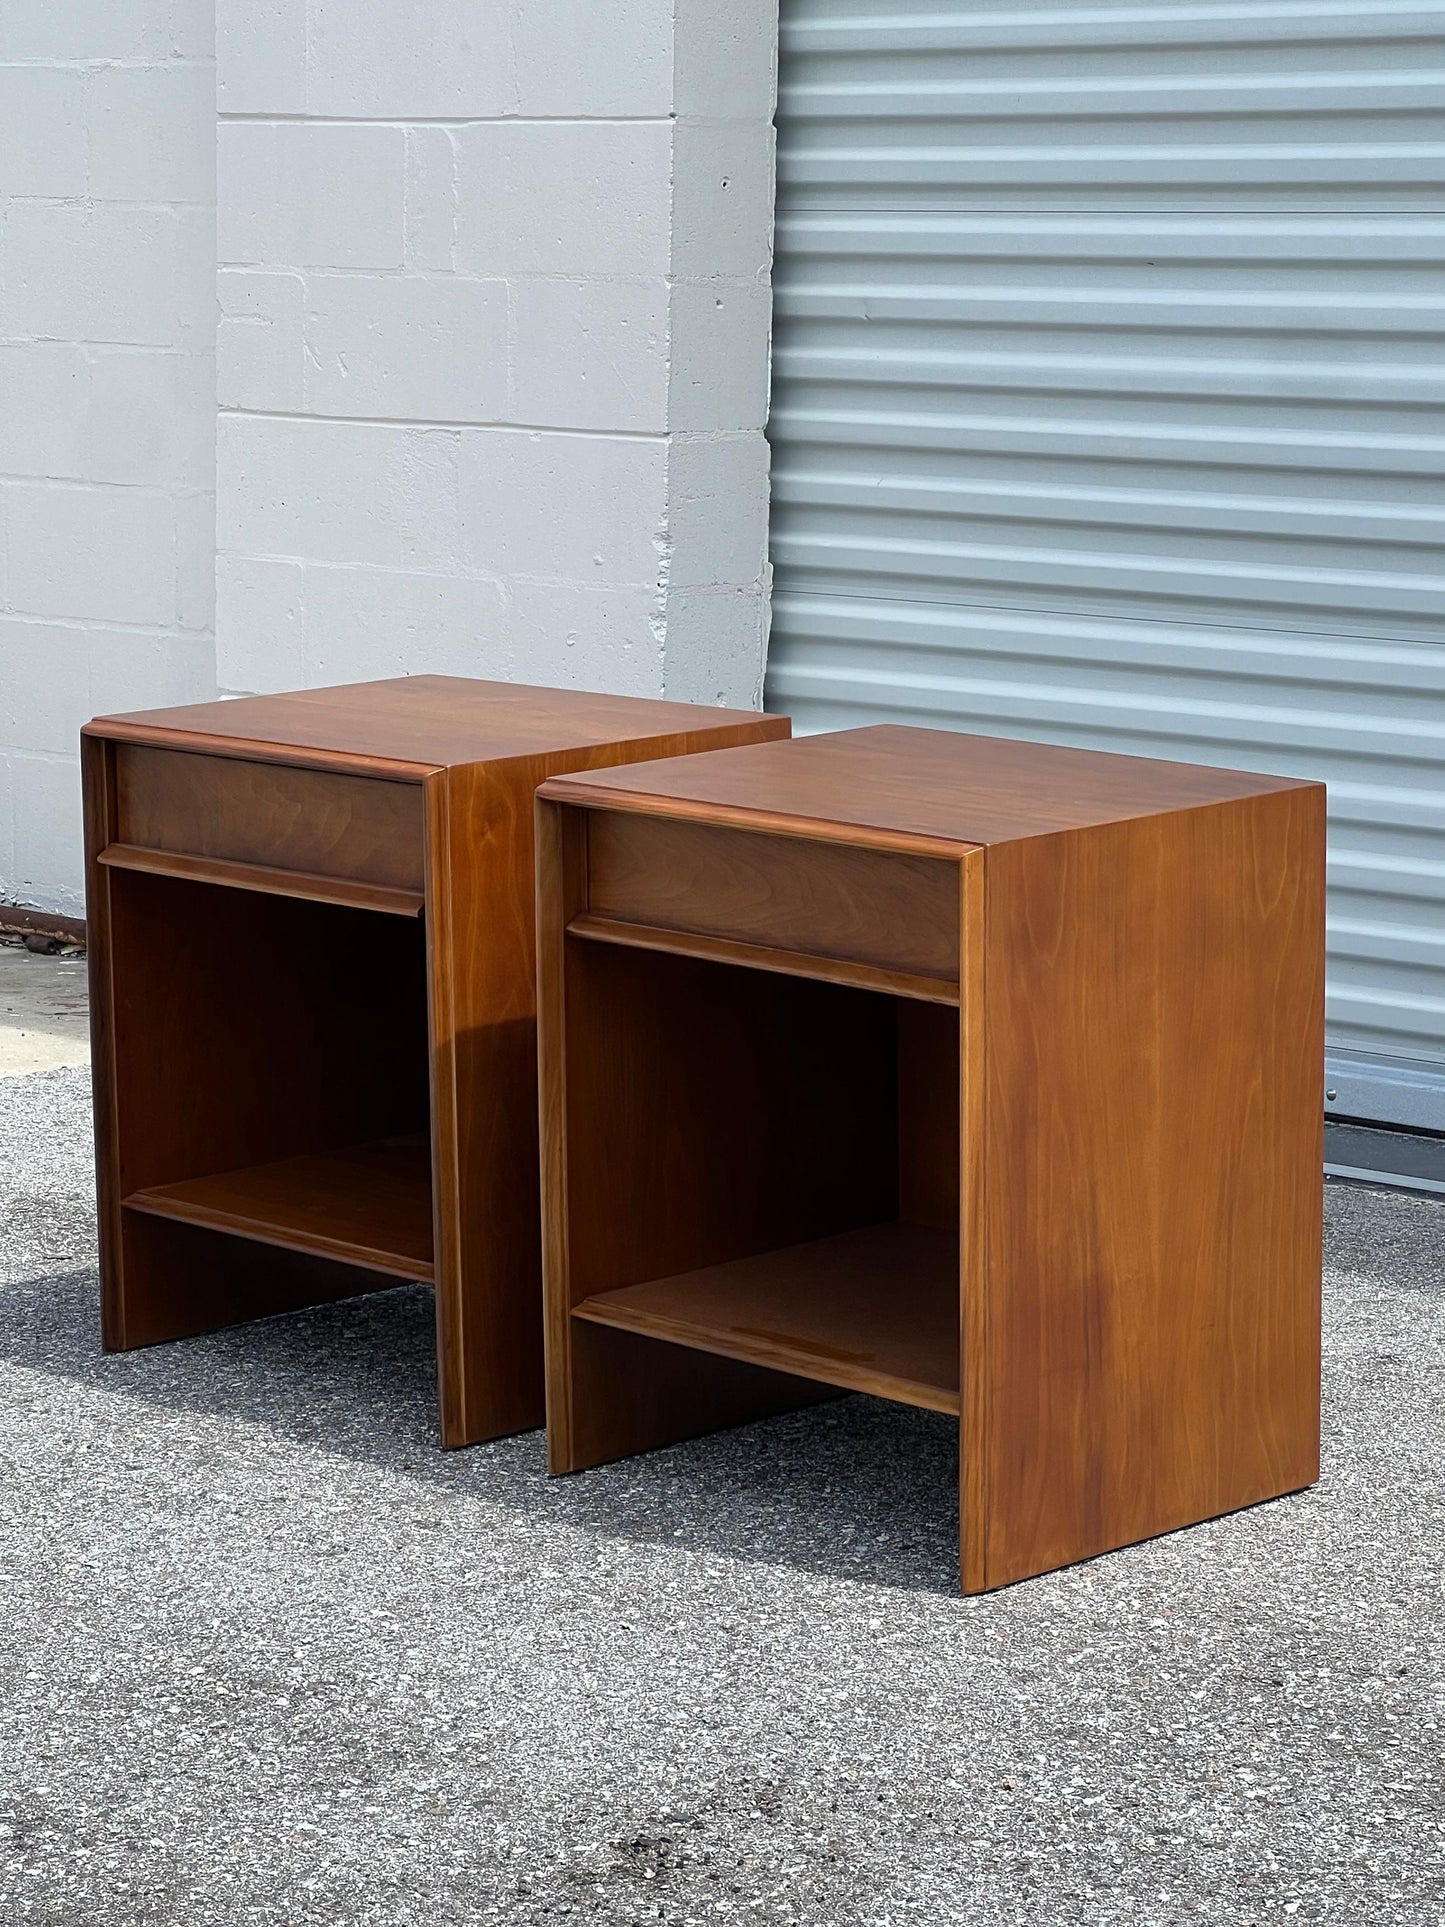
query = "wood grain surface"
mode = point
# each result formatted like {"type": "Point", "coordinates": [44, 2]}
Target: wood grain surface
{"type": "Point", "coordinates": [756, 956]}
{"type": "Point", "coordinates": [482, 962]}
{"type": "Point", "coordinates": [315, 820]}
{"type": "Point", "coordinates": [694, 1115]}
{"type": "Point", "coordinates": [869, 1311]}
{"type": "Point", "coordinates": [912, 786]}
{"type": "Point", "coordinates": [367, 1204]}
{"type": "Point", "coordinates": [1153, 1175]}
{"type": "Point", "coordinates": [409, 725]}
{"type": "Point", "coordinates": [1122, 1122]}
{"type": "Point", "coordinates": [270, 882]}
{"type": "Point", "coordinates": [255, 1020]}
{"type": "Point", "coordinates": [895, 912]}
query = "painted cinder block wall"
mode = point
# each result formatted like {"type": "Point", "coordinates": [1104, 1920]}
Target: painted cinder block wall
{"type": "Point", "coordinates": [487, 283]}
{"type": "Point", "coordinates": [107, 396]}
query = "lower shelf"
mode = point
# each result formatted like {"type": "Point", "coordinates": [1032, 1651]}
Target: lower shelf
{"type": "Point", "coordinates": [872, 1311]}
{"type": "Point", "coordinates": [369, 1204]}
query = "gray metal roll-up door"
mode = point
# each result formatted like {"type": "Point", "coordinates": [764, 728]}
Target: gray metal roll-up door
{"type": "Point", "coordinates": [1109, 409]}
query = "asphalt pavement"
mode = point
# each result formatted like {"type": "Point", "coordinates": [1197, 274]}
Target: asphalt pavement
{"type": "Point", "coordinates": [268, 1656]}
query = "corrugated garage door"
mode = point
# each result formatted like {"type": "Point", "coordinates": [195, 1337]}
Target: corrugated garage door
{"type": "Point", "coordinates": [1109, 409]}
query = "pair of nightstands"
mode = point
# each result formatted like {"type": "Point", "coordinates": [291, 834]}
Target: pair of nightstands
{"type": "Point", "coordinates": [974, 1074]}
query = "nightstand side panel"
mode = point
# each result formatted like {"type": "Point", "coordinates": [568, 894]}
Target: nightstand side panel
{"type": "Point", "coordinates": [1152, 1193]}
{"type": "Point", "coordinates": [482, 949]}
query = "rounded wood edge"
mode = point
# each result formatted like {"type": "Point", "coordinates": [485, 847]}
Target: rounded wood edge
{"type": "Point", "coordinates": [249, 749]}
{"type": "Point", "coordinates": [582, 795]}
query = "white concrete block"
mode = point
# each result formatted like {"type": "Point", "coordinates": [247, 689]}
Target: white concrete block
{"type": "Point", "coordinates": [338, 492]}
{"type": "Point", "coordinates": [195, 280]}
{"type": "Point", "coordinates": [590, 354]}
{"type": "Point", "coordinates": [260, 644]}
{"type": "Point", "coordinates": [722, 200]}
{"type": "Point", "coordinates": [71, 30]}
{"type": "Point", "coordinates": [310, 194]}
{"type": "Point", "coordinates": [725, 59]}
{"type": "Point", "coordinates": [44, 685]}
{"type": "Point", "coordinates": [418, 347]}
{"type": "Point", "coordinates": [717, 509]}
{"type": "Point", "coordinates": [49, 860]}
{"type": "Point", "coordinates": [408, 60]}
{"type": "Point", "coordinates": [89, 30]}
{"type": "Point", "coordinates": [261, 56]}
{"type": "Point", "coordinates": [183, 27]}
{"type": "Point", "coordinates": [42, 133]}
{"type": "Point", "coordinates": [431, 198]}
{"type": "Point", "coordinates": [196, 562]}
{"type": "Point", "coordinates": [107, 297]}
{"type": "Point", "coordinates": [587, 509]}
{"type": "Point", "coordinates": [716, 646]}
{"type": "Point", "coordinates": [260, 349]}
{"type": "Point", "coordinates": [101, 274]}
{"type": "Point", "coordinates": [153, 134]}
{"type": "Point", "coordinates": [151, 418]}
{"type": "Point", "coordinates": [9, 890]}
{"type": "Point", "coordinates": [565, 198]}
{"type": "Point", "coordinates": [354, 189]}
{"type": "Point", "coordinates": [255, 221]}
{"type": "Point", "coordinates": [719, 333]}
{"type": "Point", "coordinates": [567, 635]}
{"type": "Point", "coordinates": [594, 60]}
{"type": "Point", "coordinates": [363, 623]}
{"type": "Point", "coordinates": [132, 670]}
{"type": "Point", "coordinates": [88, 551]}
{"type": "Point", "coordinates": [179, 29]}
{"type": "Point", "coordinates": [43, 420]}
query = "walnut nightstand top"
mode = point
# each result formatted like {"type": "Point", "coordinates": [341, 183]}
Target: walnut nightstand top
{"type": "Point", "coordinates": [897, 782]}
{"type": "Point", "coordinates": [413, 724]}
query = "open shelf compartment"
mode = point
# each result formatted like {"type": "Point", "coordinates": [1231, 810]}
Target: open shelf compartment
{"type": "Point", "coordinates": [762, 1167]}
{"type": "Point", "coordinates": [273, 1052]}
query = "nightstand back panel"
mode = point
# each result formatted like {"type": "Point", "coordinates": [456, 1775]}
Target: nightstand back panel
{"type": "Point", "coordinates": [738, 1111]}
{"type": "Point", "coordinates": [249, 1029]}
{"type": "Point", "coordinates": [317, 821]}
{"type": "Point", "coordinates": [877, 907]}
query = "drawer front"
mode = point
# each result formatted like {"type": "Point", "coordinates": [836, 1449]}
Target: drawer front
{"type": "Point", "coordinates": [316, 821]}
{"type": "Point", "coordinates": [879, 907]}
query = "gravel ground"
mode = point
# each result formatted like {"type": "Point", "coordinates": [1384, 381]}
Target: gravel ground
{"type": "Point", "coordinates": [267, 1656]}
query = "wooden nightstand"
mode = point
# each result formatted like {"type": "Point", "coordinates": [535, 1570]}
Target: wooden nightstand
{"type": "Point", "coordinates": [975, 1074]}
{"type": "Point", "coordinates": [311, 941]}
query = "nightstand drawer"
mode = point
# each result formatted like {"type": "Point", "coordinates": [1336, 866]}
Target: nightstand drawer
{"type": "Point", "coordinates": [318, 822]}
{"type": "Point", "coordinates": [884, 908]}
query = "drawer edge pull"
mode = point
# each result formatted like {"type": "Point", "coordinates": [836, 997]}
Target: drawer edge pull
{"type": "Point", "coordinates": [754, 956]}
{"type": "Point", "coordinates": [271, 881]}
